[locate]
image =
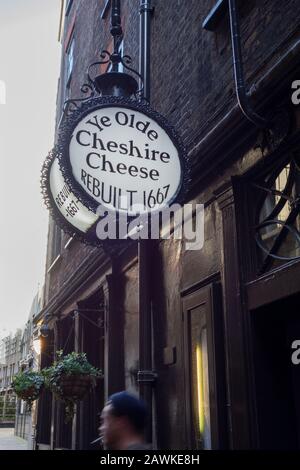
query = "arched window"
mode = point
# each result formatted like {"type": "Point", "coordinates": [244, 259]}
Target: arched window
{"type": "Point", "coordinates": [277, 224]}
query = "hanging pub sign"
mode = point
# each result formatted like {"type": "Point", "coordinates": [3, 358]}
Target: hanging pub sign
{"type": "Point", "coordinates": [116, 154]}
{"type": "Point", "coordinates": [120, 154]}
{"type": "Point", "coordinates": [72, 216]}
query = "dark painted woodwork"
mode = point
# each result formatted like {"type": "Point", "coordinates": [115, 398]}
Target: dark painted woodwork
{"type": "Point", "coordinates": [114, 335]}
{"type": "Point", "coordinates": [209, 298]}
{"type": "Point", "coordinates": [236, 365]}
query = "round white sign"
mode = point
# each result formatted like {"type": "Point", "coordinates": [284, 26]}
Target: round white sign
{"type": "Point", "coordinates": [125, 160]}
{"type": "Point", "coordinates": [66, 202]}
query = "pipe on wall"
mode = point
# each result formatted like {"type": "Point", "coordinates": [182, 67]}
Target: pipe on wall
{"type": "Point", "coordinates": [241, 91]}
{"type": "Point", "coordinates": [145, 246]}
{"type": "Point", "coordinates": [145, 24]}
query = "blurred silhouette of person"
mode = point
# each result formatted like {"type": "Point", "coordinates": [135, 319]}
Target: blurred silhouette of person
{"type": "Point", "coordinates": [123, 422]}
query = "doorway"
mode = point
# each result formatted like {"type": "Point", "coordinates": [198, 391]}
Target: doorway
{"type": "Point", "coordinates": [204, 369]}
{"type": "Point", "coordinates": [277, 380]}
{"type": "Point", "coordinates": [91, 341]}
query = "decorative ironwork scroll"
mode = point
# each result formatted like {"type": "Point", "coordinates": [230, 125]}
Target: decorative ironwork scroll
{"type": "Point", "coordinates": [277, 229]}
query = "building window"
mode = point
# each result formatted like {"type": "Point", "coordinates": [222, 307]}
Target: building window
{"type": "Point", "coordinates": [56, 242]}
{"type": "Point", "coordinates": [69, 6]}
{"type": "Point", "coordinates": [70, 61]}
{"type": "Point", "coordinates": [204, 368]}
{"type": "Point", "coordinates": [268, 213]}
{"type": "Point", "coordinates": [199, 378]}
{"type": "Point", "coordinates": [277, 214]}
{"type": "Point", "coordinates": [67, 94]}
{"type": "Point", "coordinates": [105, 9]}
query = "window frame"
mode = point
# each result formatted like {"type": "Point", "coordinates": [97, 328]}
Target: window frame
{"type": "Point", "coordinates": [56, 243]}
{"type": "Point", "coordinates": [68, 7]}
{"type": "Point", "coordinates": [208, 296]}
{"type": "Point", "coordinates": [70, 61]}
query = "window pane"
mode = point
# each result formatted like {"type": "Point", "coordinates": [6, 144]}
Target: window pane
{"type": "Point", "coordinates": [200, 379]}
{"type": "Point", "coordinates": [70, 60]}
{"type": "Point", "coordinates": [278, 218]}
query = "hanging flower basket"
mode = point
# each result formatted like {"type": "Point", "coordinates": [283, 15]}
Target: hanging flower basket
{"type": "Point", "coordinates": [28, 386]}
{"type": "Point", "coordinates": [76, 385]}
{"type": "Point", "coordinates": [70, 378]}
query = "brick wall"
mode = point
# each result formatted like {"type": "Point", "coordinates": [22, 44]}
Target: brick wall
{"type": "Point", "coordinates": [192, 85]}
{"type": "Point", "coordinates": [192, 74]}
{"type": "Point", "coordinates": [191, 69]}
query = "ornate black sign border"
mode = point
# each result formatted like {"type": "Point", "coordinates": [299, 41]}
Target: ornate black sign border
{"type": "Point", "coordinates": [70, 122]}
{"type": "Point", "coordinates": [110, 246]}
{"type": "Point", "coordinates": [88, 237]}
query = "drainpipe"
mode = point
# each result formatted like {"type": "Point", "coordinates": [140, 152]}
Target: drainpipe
{"type": "Point", "coordinates": [145, 24]}
{"type": "Point", "coordinates": [241, 91]}
{"type": "Point", "coordinates": [145, 373]}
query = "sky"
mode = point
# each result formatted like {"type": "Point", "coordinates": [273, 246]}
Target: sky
{"type": "Point", "coordinates": [29, 71]}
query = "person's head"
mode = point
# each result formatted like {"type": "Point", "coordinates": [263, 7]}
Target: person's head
{"type": "Point", "coordinates": [123, 420]}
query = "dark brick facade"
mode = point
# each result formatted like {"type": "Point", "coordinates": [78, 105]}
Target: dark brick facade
{"type": "Point", "coordinates": [192, 85]}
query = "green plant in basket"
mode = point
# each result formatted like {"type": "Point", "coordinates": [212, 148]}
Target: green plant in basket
{"type": "Point", "coordinates": [70, 378]}
{"type": "Point", "coordinates": [28, 385]}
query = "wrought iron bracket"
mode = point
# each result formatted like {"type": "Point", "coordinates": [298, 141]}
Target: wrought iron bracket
{"type": "Point", "coordinates": [286, 226]}
{"type": "Point", "coordinates": [98, 85]}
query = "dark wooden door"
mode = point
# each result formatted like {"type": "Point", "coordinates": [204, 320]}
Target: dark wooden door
{"type": "Point", "coordinates": [277, 380]}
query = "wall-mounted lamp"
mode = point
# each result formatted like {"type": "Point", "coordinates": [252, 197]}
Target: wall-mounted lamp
{"type": "Point", "coordinates": [44, 329]}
